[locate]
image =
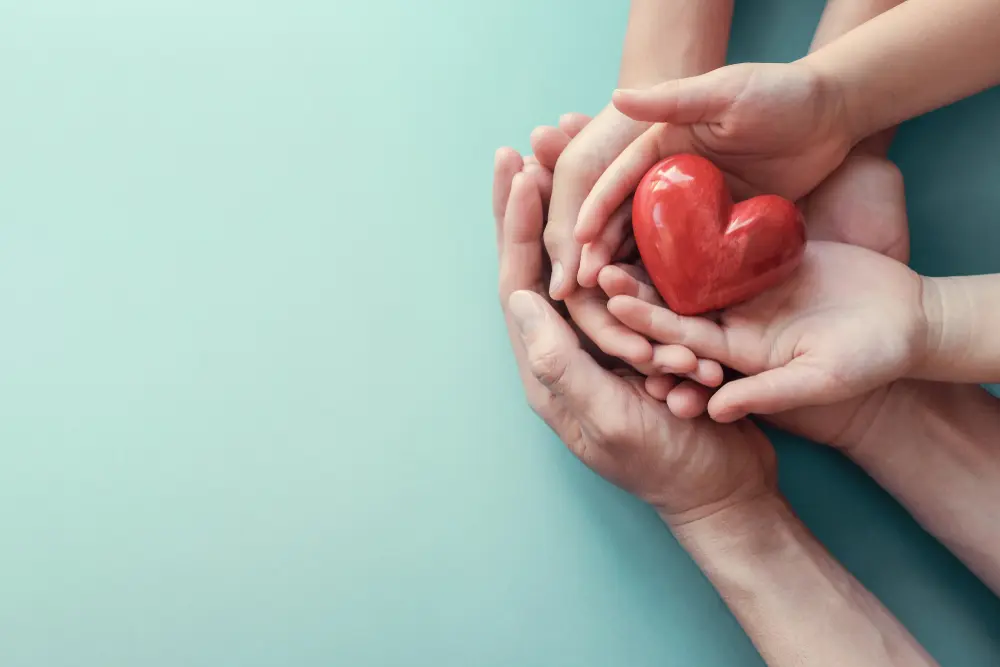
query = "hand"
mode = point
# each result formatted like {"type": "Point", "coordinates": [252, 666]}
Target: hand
{"type": "Point", "coordinates": [588, 306]}
{"type": "Point", "coordinates": [848, 321]}
{"type": "Point", "coordinates": [771, 128]}
{"type": "Point", "coordinates": [685, 469]}
{"type": "Point", "coordinates": [844, 426]}
{"type": "Point", "coordinates": [862, 203]}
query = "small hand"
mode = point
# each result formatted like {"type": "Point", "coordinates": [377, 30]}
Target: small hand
{"type": "Point", "coordinates": [685, 469]}
{"type": "Point", "coordinates": [843, 425]}
{"type": "Point", "coordinates": [847, 322]}
{"type": "Point", "coordinates": [771, 128]}
{"type": "Point", "coordinates": [588, 306]}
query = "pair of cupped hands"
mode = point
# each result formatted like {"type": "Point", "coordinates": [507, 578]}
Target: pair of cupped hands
{"type": "Point", "coordinates": [624, 381]}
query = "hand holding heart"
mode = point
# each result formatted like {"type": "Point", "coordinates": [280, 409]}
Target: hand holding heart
{"type": "Point", "coordinates": [847, 321]}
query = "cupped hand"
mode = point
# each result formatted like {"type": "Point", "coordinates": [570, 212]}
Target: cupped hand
{"type": "Point", "coordinates": [686, 469]}
{"type": "Point", "coordinates": [587, 306]}
{"type": "Point", "coordinates": [771, 128]}
{"type": "Point", "coordinates": [848, 321]}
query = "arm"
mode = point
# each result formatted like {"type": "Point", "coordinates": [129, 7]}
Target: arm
{"type": "Point", "coordinates": [936, 448]}
{"type": "Point", "coordinates": [912, 59]}
{"type": "Point", "coordinates": [667, 39]}
{"type": "Point", "coordinates": [962, 321]}
{"type": "Point", "coordinates": [798, 605]}
{"type": "Point", "coordinates": [842, 16]}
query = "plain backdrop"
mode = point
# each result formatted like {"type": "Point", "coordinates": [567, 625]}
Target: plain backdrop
{"type": "Point", "coordinates": [257, 405]}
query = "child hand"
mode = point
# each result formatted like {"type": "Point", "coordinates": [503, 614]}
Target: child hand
{"type": "Point", "coordinates": [771, 128]}
{"type": "Point", "coordinates": [848, 321]}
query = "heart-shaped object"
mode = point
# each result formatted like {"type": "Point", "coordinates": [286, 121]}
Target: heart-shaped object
{"type": "Point", "coordinates": [702, 252]}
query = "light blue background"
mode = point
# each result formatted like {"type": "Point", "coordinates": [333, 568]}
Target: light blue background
{"type": "Point", "coordinates": [256, 401]}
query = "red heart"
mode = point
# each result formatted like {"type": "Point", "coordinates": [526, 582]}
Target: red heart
{"type": "Point", "coordinates": [702, 252]}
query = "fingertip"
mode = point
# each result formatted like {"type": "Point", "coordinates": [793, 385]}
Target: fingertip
{"type": "Point", "coordinates": [659, 386]}
{"type": "Point", "coordinates": [723, 411]}
{"type": "Point", "coordinates": [708, 372]}
{"type": "Point", "coordinates": [687, 400]}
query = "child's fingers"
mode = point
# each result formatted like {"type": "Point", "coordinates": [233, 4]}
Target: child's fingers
{"type": "Point", "coordinates": [590, 313]}
{"type": "Point", "coordinates": [674, 359]}
{"type": "Point", "coordinates": [709, 372]}
{"type": "Point", "coordinates": [548, 143]}
{"type": "Point", "coordinates": [597, 254]}
{"type": "Point", "coordinates": [620, 280]}
{"type": "Point", "coordinates": [659, 386]}
{"type": "Point", "coordinates": [573, 123]}
{"type": "Point", "coordinates": [688, 399]}
{"type": "Point", "coordinates": [542, 178]}
{"type": "Point", "coordinates": [795, 385]}
{"type": "Point", "coordinates": [697, 99]}
{"type": "Point", "coordinates": [704, 337]}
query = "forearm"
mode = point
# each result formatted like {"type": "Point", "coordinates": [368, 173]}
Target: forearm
{"type": "Point", "coordinates": [798, 605]}
{"type": "Point", "coordinates": [840, 17]}
{"type": "Point", "coordinates": [962, 324]}
{"type": "Point", "coordinates": [936, 448]}
{"type": "Point", "coordinates": [669, 39]}
{"type": "Point", "coordinates": [912, 59]}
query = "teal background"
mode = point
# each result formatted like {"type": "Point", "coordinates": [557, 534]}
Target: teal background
{"type": "Point", "coordinates": [256, 401]}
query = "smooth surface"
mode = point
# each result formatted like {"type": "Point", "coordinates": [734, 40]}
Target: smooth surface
{"type": "Point", "coordinates": [256, 401]}
{"type": "Point", "coordinates": [702, 252]}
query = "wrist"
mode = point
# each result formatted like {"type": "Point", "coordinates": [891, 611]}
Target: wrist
{"type": "Point", "coordinates": [738, 530]}
{"type": "Point", "coordinates": [849, 114]}
{"type": "Point", "coordinates": [932, 307]}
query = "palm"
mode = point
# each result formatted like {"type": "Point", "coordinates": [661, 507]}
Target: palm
{"type": "Point", "coordinates": [686, 465]}
{"type": "Point", "coordinates": [827, 313]}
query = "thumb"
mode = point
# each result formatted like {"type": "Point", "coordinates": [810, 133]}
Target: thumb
{"type": "Point", "coordinates": [554, 354]}
{"type": "Point", "coordinates": [795, 385]}
{"type": "Point", "coordinates": [697, 99]}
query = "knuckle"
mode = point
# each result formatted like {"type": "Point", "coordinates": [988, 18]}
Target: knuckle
{"type": "Point", "coordinates": [547, 365]}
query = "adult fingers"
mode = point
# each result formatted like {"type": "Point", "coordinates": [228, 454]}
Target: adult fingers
{"type": "Point", "coordinates": [598, 253]}
{"type": "Point", "coordinates": [554, 356]}
{"type": "Point", "coordinates": [506, 163]}
{"type": "Point", "coordinates": [573, 123]}
{"type": "Point", "coordinates": [548, 143]}
{"type": "Point", "coordinates": [795, 385]}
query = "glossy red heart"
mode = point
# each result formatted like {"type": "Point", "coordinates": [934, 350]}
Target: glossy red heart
{"type": "Point", "coordinates": [702, 252]}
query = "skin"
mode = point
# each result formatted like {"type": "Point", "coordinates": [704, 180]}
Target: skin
{"type": "Point", "coordinates": [664, 39]}
{"type": "Point", "coordinates": [713, 485]}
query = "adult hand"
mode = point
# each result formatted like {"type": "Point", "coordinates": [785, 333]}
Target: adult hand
{"type": "Point", "coordinates": [686, 469]}
{"type": "Point", "coordinates": [862, 203]}
{"type": "Point", "coordinates": [771, 128]}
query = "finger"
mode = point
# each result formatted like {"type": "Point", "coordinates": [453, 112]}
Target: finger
{"type": "Point", "coordinates": [543, 180]}
{"type": "Point", "coordinates": [506, 163]}
{"type": "Point", "coordinates": [795, 385]}
{"type": "Point", "coordinates": [589, 312]}
{"type": "Point", "coordinates": [597, 254]}
{"type": "Point", "coordinates": [708, 373]}
{"type": "Point", "coordinates": [688, 400]}
{"type": "Point", "coordinates": [548, 143]}
{"type": "Point", "coordinates": [697, 99]}
{"type": "Point", "coordinates": [617, 183]}
{"type": "Point", "coordinates": [620, 280]}
{"type": "Point", "coordinates": [702, 336]}
{"type": "Point", "coordinates": [674, 359]}
{"type": "Point", "coordinates": [573, 123]}
{"type": "Point", "coordinates": [659, 386]}
{"type": "Point", "coordinates": [555, 358]}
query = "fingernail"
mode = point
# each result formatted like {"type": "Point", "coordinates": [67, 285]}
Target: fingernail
{"type": "Point", "coordinates": [557, 277]}
{"type": "Point", "coordinates": [525, 311]}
